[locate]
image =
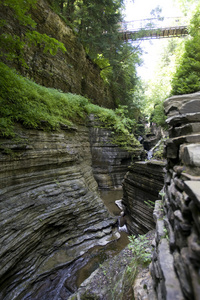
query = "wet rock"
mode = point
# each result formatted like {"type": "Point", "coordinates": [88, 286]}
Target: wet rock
{"type": "Point", "coordinates": [141, 186]}
{"type": "Point", "coordinates": [110, 162]}
{"type": "Point", "coordinates": [51, 213]}
{"type": "Point", "coordinates": [114, 280]}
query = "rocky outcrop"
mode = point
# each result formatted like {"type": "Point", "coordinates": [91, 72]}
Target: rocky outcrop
{"type": "Point", "coordinates": [176, 258]}
{"type": "Point", "coordinates": [51, 213]}
{"type": "Point", "coordinates": [72, 71]}
{"type": "Point", "coordinates": [141, 187]}
{"type": "Point", "coordinates": [114, 278]}
{"type": "Point", "coordinates": [109, 161]}
{"type": "Point", "coordinates": [150, 139]}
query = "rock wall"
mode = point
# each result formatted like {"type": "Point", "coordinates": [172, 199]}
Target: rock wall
{"type": "Point", "coordinates": [176, 259]}
{"type": "Point", "coordinates": [141, 187]}
{"type": "Point", "coordinates": [70, 72]}
{"type": "Point", "coordinates": [51, 213]}
{"type": "Point", "coordinates": [109, 162]}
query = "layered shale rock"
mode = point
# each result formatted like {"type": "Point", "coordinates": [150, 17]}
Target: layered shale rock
{"type": "Point", "coordinates": [176, 258]}
{"type": "Point", "coordinates": [72, 71]}
{"type": "Point", "coordinates": [113, 279]}
{"type": "Point", "coordinates": [141, 188]}
{"type": "Point", "coordinates": [51, 213]}
{"type": "Point", "coordinates": [109, 161]}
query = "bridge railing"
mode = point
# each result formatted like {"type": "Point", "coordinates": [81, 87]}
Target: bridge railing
{"type": "Point", "coordinates": [152, 23]}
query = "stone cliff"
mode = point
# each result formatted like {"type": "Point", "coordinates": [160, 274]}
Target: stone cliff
{"type": "Point", "coordinates": [176, 252]}
{"type": "Point", "coordinates": [51, 212]}
{"type": "Point", "coordinates": [176, 257]}
{"type": "Point", "coordinates": [70, 72]}
{"type": "Point", "coordinates": [109, 162]}
{"type": "Point", "coordinates": [141, 187]}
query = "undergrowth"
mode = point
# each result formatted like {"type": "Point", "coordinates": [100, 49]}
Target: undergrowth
{"type": "Point", "coordinates": [38, 107]}
{"type": "Point", "coordinates": [141, 258]}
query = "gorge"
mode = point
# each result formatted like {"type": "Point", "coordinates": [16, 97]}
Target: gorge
{"type": "Point", "coordinates": [53, 218]}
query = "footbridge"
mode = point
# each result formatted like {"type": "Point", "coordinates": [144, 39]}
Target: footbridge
{"type": "Point", "coordinates": [153, 28]}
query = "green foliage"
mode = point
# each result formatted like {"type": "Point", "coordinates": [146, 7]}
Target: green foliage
{"type": "Point", "coordinates": [21, 9]}
{"type": "Point", "coordinates": [188, 6]}
{"type": "Point", "coordinates": [158, 115]}
{"type": "Point", "coordinates": [187, 77]}
{"type": "Point", "coordinates": [48, 44]}
{"type": "Point", "coordinates": [91, 19]}
{"type": "Point", "coordinates": [12, 46]}
{"type": "Point", "coordinates": [150, 203]}
{"type": "Point", "coordinates": [141, 257]}
{"type": "Point", "coordinates": [34, 106]}
{"type": "Point", "coordinates": [140, 249]}
{"type": "Point", "coordinates": [158, 88]}
{"type": "Point", "coordinates": [96, 24]}
{"type": "Point", "coordinates": [158, 151]}
{"type": "Point", "coordinates": [120, 125]}
{"type": "Point", "coordinates": [162, 194]}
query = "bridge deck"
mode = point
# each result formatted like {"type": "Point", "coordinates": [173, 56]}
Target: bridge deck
{"type": "Point", "coordinates": [153, 28]}
{"type": "Point", "coordinates": [155, 33]}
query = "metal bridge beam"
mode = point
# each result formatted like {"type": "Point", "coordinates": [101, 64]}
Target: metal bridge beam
{"type": "Point", "coordinates": [169, 32]}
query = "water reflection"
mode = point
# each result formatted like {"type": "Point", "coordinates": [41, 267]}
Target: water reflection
{"type": "Point", "coordinates": [109, 198]}
{"type": "Point", "coordinates": [99, 254]}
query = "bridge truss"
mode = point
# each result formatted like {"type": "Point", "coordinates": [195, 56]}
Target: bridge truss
{"type": "Point", "coordinates": [153, 29]}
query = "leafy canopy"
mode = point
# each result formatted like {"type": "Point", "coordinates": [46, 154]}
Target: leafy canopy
{"type": "Point", "coordinates": [187, 77]}
{"type": "Point", "coordinates": [12, 46]}
{"type": "Point", "coordinates": [96, 24]}
{"type": "Point", "coordinates": [157, 89]}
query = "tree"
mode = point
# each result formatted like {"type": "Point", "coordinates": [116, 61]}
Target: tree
{"type": "Point", "coordinates": [157, 89]}
{"type": "Point", "coordinates": [12, 45]}
{"type": "Point", "coordinates": [96, 24]}
{"type": "Point", "coordinates": [187, 77]}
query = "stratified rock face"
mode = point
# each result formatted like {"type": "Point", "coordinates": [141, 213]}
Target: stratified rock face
{"type": "Point", "coordinates": [110, 162]}
{"type": "Point", "coordinates": [72, 71]}
{"type": "Point", "coordinates": [141, 187]}
{"type": "Point", "coordinates": [112, 279]}
{"type": "Point", "coordinates": [51, 213]}
{"type": "Point", "coordinates": [176, 259]}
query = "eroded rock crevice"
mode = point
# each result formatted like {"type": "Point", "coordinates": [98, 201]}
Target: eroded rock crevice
{"type": "Point", "coordinates": [51, 211]}
{"type": "Point", "coordinates": [141, 187]}
{"type": "Point", "coordinates": [109, 161]}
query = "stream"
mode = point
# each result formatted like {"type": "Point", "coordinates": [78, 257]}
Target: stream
{"type": "Point", "coordinates": [99, 254]}
{"type": "Point", "coordinates": [65, 281]}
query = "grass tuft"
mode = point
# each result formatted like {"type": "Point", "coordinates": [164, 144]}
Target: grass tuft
{"type": "Point", "coordinates": [38, 107]}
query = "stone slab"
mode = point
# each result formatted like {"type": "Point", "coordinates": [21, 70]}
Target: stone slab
{"type": "Point", "coordinates": [185, 129]}
{"type": "Point", "coordinates": [182, 119]}
{"type": "Point", "coordinates": [175, 103]}
{"type": "Point", "coordinates": [190, 154]}
{"type": "Point", "coordinates": [172, 285]}
{"type": "Point", "coordinates": [192, 106]}
{"type": "Point", "coordinates": [192, 188]}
